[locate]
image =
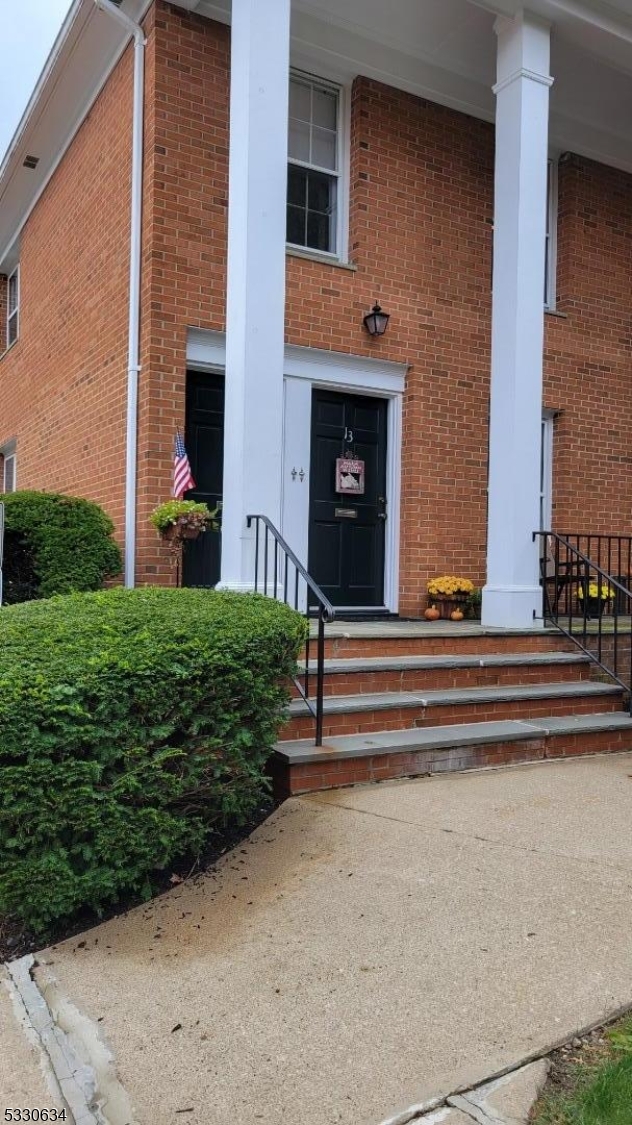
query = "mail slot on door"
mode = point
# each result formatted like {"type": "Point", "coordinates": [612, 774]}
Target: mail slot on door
{"type": "Point", "coordinates": [346, 513]}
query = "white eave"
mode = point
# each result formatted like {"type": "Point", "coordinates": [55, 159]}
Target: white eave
{"type": "Point", "coordinates": [86, 50]}
{"type": "Point", "coordinates": [439, 49]}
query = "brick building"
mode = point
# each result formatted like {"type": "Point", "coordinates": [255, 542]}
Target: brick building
{"type": "Point", "coordinates": [471, 174]}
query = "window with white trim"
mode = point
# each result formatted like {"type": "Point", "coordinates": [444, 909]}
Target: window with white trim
{"type": "Point", "coordinates": [546, 470]}
{"type": "Point", "coordinates": [550, 239]}
{"type": "Point", "coordinates": [13, 306]}
{"type": "Point", "coordinates": [550, 252]}
{"type": "Point", "coordinates": [9, 471]}
{"type": "Point", "coordinates": [314, 165]}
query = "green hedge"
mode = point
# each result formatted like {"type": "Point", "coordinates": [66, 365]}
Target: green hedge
{"type": "Point", "coordinates": [131, 723]}
{"type": "Point", "coordinates": [55, 545]}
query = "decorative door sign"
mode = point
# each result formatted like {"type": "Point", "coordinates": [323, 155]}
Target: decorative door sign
{"type": "Point", "coordinates": [349, 476]}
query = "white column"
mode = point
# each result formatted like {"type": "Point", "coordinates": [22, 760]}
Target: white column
{"type": "Point", "coordinates": [255, 313]}
{"type": "Point", "coordinates": [512, 593]}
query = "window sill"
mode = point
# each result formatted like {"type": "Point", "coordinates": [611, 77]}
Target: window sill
{"type": "Point", "coordinates": [323, 259]}
{"type": "Point", "coordinates": [554, 312]}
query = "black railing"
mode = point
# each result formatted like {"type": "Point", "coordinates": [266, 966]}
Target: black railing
{"type": "Point", "coordinates": [280, 575]}
{"type": "Point", "coordinates": [612, 553]}
{"type": "Point", "coordinates": [590, 604]}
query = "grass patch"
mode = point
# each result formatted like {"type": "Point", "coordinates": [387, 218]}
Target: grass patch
{"type": "Point", "coordinates": [593, 1084]}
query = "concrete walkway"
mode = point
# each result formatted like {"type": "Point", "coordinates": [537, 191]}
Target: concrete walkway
{"type": "Point", "coordinates": [367, 950]}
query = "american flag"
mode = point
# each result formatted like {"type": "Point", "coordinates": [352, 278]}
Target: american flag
{"type": "Point", "coordinates": [182, 475]}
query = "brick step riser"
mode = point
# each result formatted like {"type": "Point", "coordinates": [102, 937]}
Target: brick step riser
{"type": "Point", "coordinates": [361, 647]}
{"type": "Point", "coordinates": [402, 718]}
{"type": "Point", "coordinates": [361, 683]}
{"type": "Point", "coordinates": [315, 776]}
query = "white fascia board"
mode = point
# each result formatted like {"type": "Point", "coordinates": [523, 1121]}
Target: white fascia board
{"type": "Point", "coordinates": [84, 55]}
{"type": "Point", "coordinates": [78, 7]}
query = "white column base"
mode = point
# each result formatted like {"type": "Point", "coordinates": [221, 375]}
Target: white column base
{"type": "Point", "coordinates": [512, 607]}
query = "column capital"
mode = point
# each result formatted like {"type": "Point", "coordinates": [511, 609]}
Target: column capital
{"type": "Point", "coordinates": [524, 50]}
{"type": "Point", "coordinates": [523, 72]}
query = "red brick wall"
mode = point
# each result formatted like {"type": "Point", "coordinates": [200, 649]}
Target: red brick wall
{"type": "Point", "coordinates": [184, 279]}
{"type": "Point", "coordinates": [62, 385]}
{"type": "Point", "coordinates": [429, 264]}
{"type": "Point", "coordinates": [587, 356]}
{"type": "Point", "coordinates": [421, 241]}
{"type": "Point", "coordinates": [3, 311]}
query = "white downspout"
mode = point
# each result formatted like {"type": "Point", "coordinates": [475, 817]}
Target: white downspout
{"type": "Point", "coordinates": [133, 360]}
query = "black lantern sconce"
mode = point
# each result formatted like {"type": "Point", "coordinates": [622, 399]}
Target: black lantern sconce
{"type": "Point", "coordinates": [375, 322]}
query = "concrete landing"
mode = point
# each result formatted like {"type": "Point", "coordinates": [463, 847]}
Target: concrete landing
{"type": "Point", "coordinates": [370, 949]}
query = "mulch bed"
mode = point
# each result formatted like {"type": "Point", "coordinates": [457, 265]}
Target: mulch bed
{"type": "Point", "coordinates": [15, 941]}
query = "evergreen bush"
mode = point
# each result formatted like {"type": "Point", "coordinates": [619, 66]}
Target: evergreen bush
{"type": "Point", "coordinates": [132, 722]}
{"type": "Point", "coordinates": [55, 545]}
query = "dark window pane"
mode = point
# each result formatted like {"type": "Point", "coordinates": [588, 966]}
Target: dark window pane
{"type": "Point", "coordinates": [296, 186]}
{"type": "Point", "coordinates": [296, 225]}
{"type": "Point", "coordinates": [318, 231]}
{"type": "Point", "coordinates": [311, 209]}
{"type": "Point", "coordinates": [320, 193]}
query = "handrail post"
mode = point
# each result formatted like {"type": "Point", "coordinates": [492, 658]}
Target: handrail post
{"type": "Point", "coordinates": [326, 611]}
{"type": "Point", "coordinates": [578, 566]}
{"type": "Point", "coordinates": [320, 677]}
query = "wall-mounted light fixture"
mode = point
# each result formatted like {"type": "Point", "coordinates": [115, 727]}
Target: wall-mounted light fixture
{"type": "Point", "coordinates": [375, 322]}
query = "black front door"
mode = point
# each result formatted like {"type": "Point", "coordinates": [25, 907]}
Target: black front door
{"type": "Point", "coordinates": [346, 532]}
{"type": "Point", "coordinates": [204, 439]}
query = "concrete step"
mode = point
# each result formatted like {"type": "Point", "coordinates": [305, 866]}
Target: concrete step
{"type": "Point", "coordinates": [374, 711]}
{"type": "Point", "coordinates": [413, 673]}
{"type": "Point", "coordinates": [299, 767]}
{"type": "Point", "coordinates": [349, 640]}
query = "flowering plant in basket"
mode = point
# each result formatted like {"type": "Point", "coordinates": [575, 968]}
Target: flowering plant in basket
{"type": "Point", "coordinates": [451, 587]}
{"type": "Point", "coordinates": [450, 592]}
{"type": "Point", "coordinates": [596, 590]}
{"type": "Point", "coordinates": [183, 519]}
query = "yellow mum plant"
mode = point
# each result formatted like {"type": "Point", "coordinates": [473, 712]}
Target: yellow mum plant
{"type": "Point", "coordinates": [597, 591]}
{"type": "Point", "coordinates": [449, 585]}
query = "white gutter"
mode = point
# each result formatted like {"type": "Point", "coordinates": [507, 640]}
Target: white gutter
{"type": "Point", "coordinates": [133, 358]}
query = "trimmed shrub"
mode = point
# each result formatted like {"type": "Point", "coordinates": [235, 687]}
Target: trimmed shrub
{"type": "Point", "coordinates": [55, 545]}
{"type": "Point", "coordinates": [131, 723]}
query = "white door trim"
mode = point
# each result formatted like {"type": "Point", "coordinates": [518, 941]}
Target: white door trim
{"type": "Point", "coordinates": [304, 369]}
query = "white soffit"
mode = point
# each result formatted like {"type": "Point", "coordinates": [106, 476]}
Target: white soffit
{"type": "Point", "coordinates": [89, 45]}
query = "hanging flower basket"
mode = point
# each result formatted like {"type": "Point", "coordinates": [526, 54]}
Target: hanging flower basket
{"type": "Point", "coordinates": [178, 520]}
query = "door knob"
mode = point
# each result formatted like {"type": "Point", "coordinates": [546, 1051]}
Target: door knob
{"type": "Point", "coordinates": [381, 515]}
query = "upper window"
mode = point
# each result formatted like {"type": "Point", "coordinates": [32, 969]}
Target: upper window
{"type": "Point", "coordinates": [8, 472]}
{"type": "Point", "coordinates": [313, 197]}
{"type": "Point", "coordinates": [13, 307]}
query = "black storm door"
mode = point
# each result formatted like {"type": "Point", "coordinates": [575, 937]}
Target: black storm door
{"type": "Point", "coordinates": [347, 531]}
{"type": "Point", "coordinates": [204, 439]}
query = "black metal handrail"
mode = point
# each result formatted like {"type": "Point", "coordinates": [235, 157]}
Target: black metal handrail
{"type": "Point", "coordinates": [612, 553]}
{"type": "Point", "coordinates": [567, 574]}
{"type": "Point", "coordinates": [279, 582]}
